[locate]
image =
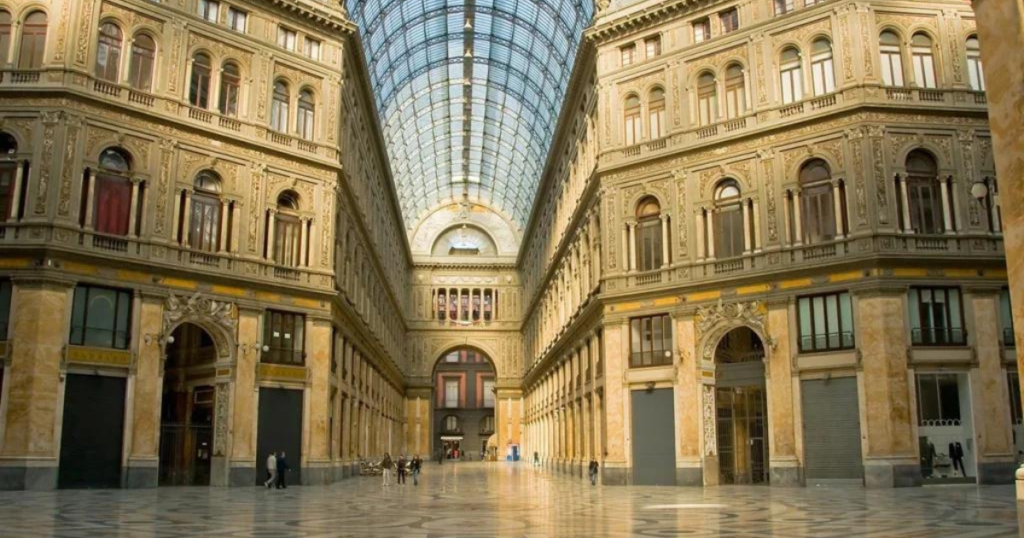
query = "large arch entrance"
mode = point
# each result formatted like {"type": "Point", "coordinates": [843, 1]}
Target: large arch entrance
{"type": "Point", "coordinates": [464, 406]}
{"type": "Point", "coordinates": [741, 408]}
{"type": "Point", "coordinates": [187, 409]}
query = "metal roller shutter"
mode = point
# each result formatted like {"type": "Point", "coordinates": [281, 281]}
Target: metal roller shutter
{"type": "Point", "coordinates": [831, 430]}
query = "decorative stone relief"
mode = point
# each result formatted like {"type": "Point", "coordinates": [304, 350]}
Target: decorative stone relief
{"type": "Point", "coordinates": [845, 34]}
{"type": "Point", "coordinates": [609, 226]}
{"type": "Point", "coordinates": [855, 176]}
{"type": "Point", "coordinates": [175, 55]}
{"type": "Point", "coordinates": [220, 420]}
{"type": "Point", "coordinates": [74, 127]}
{"type": "Point", "coordinates": [967, 150]}
{"type": "Point", "coordinates": [167, 148]}
{"type": "Point", "coordinates": [865, 37]}
{"type": "Point", "coordinates": [205, 311]}
{"type": "Point", "coordinates": [768, 168]}
{"type": "Point", "coordinates": [899, 142]}
{"type": "Point", "coordinates": [710, 431]}
{"type": "Point", "coordinates": [945, 145]}
{"type": "Point", "coordinates": [62, 33]}
{"type": "Point", "coordinates": [261, 109]}
{"type": "Point", "coordinates": [680, 177]}
{"type": "Point", "coordinates": [718, 60]}
{"type": "Point", "coordinates": [749, 313]}
{"type": "Point", "coordinates": [326, 224]}
{"type": "Point", "coordinates": [50, 120]}
{"type": "Point", "coordinates": [131, 17]}
{"type": "Point", "coordinates": [85, 29]}
{"type": "Point", "coordinates": [257, 172]}
{"type": "Point", "coordinates": [95, 138]}
{"type": "Point", "coordinates": [878, 169]}
{"type": "Point", "coordinates": [954, 47]}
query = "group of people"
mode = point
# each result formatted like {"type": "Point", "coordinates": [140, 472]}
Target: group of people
{"type": "Point", "coordinates": [403, 467]}
{"type": "Point", "coordinates": [277, 469]}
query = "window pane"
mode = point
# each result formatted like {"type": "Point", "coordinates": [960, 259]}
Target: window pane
{"type": "Point", "coordinates": [78, 315]}
{"type": "Point", "coordinates": [100, 310]}
{"type": "Point", "coordinates": [820, 328]}
{"type": "Point", "coordinates": [832, 315]}
{"type": "Point", "coordinates": [846, 321]}
{"type": "Point", "coordinates": [804, 315]}
{"type": "Point", "coordinates": [949, 397]}
{"type": "Point", "coordinates": [928, 399]}
{"type": "Point", "coordinates": [5, 309]}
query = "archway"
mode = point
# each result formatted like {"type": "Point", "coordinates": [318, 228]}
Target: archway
{"type": "Point", "coordinates": [464, 406]}
{"type": "Point", "coordinates": [187, 409]}
{"type": "Point", "coordinates": [741, 412]}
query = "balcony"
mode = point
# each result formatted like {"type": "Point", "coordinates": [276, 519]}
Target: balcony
{"type": "Point", "coordinates": [938, 336]}
{"type": "Point", "coordinates": [21, 76]}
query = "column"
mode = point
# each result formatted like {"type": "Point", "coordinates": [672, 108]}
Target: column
{"type": "Point", "coordinates": [993, 436]}
{"type": "Point", "coordinates": [224, 214]}
{"type": "Point", "coordinates": [837, 205]}
{"type": "Point", "coordinates": [146, 389]}
{"type": "Point", "coordinates": [303, 241]}
{"type": "Point", "coordinates": [746, 226]}
{"type": "Point", "coordinates": [947, 220]}
{"type": "Point", "coordinates": [615, 470]}
{"type": "Point", "coordinates": [186, 219]}
{"type": "Point", "coordinates": [245, 463]}
{"type": "Point", "coordinates": [711, 234]}
{"type": "Point", "coordinates": [701, 230]}
{"type": "Point", "coordinates": [798, 228]}
{"type": "Point", "coordinates": [316, 464]}
{"type": "Point", "coordinates": [782, 414]}
{"type": "Point", "coordinates": [133, 211]}
{"type": "Point", "coordinates": [632, 246]}
{"type": "Point", "coordinates": [271, 225]}
{"type": "Point", "coordinates": [954, 204]}
{"type": "Point", "coordinates": [907, 228]}
{"type": "Point", "coordinates": [90, 200]}
{"type": "Point", "coordinates": [665, 241]}
{"type": "Point", "coordinates": [16, 201]}
{"type": "Point", "coordinates": [625, 248]}
{"type": "Point", "coordinates": [236, 219]}
{"type": "Point", "coordinates": [757, 226]}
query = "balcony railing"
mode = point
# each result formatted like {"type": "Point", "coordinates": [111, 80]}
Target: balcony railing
{"type": "Point", "coordinates": [22, 76]}
{"type": "Point", "coordinates": [938, 336]}
{"type": "Point", "coordinates": [826, 342]}
{"type": "Point", "coordinates": [106, 88]}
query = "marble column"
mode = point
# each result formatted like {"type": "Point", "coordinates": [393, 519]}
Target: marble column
{"type": "Point", "coordinates": [757, 226]}
{"type": "Point", "coordinates": [907, 226]}
{"type": "Point", "coordinates": [133, 208]}
{"type": "Point", "coordinates": [701, 231]}
{"type": "Point", "coordinates": [222, 245]}
{"type": "Point", "coordinates": [837, 208]}
{"type": "Point", "coordinates": [747, 247]}
{"type": "Point", "coordinates": [632, 246]}
{"type": "Point", "coordinates": [19, 173]}
{"type": "Point", "coordinates": [316, 462]}
{"type": "Point", "coordinates": [665, 241]}
{"type": "Point", "coordinates": [689, 468]}
{"type": "Point", "coordinates": [90, 199]}
{"type": "Point", "coordinates": [244, 462]}
{"type": "Point", "coordinates": [615, 470]}
{"type": "Point", "coordinates": [798, 228]}
{"type": "Point", "coordinates": [186, 220]}
{"type": "Point", "coordinates": [993, 436]}
{"type": "Point", "coordinates": [142, 464]}
{"type": "Point", "coordinates": [947, 220]}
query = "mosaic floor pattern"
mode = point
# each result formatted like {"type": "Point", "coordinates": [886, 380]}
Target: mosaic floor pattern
{"type": "Point", "coordinates": [500, 500]}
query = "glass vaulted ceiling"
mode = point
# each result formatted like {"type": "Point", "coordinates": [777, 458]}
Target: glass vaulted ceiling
{"type": "Point", "coordinates": [469, 93]}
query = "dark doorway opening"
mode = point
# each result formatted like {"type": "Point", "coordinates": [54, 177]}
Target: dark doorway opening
{"type": "Point", "coordinates": [280, 429]}
{"type": "Point", "coordinates": [186, 414]}
{"type": "Point", "coordinates": [654, 446]}
{"type": "Point", "coordinates": [741, 408]}
{"type": "Point", "coordinates": [92, 434]}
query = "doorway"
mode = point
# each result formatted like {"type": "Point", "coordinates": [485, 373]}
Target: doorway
{"type": "Point", "coordinates": [741, 408]}
{"type": "Point", "coordinates": [186, 414]}
{"type": "Point", "coordinates": [654, 446]}
{"type": "Point", "coordinates": [280, 430]}
{"type": "Point", "coordinates": [92, 433]}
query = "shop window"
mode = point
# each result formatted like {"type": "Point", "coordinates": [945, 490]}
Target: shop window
{"type": "Point", "coordinates": [143, 62]}
{"type": "Point", "coordinates": [650, 341]}
{"type": "Point", "coordinates": [1006, 318]}
{"type": "Point", "coordinates": [938, 400]}
{"type": "Point", "coordinates": [6, 290]}
{"type": "Point", "coordinates": [826, 322]}
{"type": "Point", "coordinates": [892, 59]}
{"type": "Point", "coordinates": [101, 317]}
{"type": "Point", "coordinates": [936, 317]}
{"type": "Point", "coordinates": [730, 19]}
{"type": "Point", "coordinates": [487, 425]}
{"type": "Point", "coordinates": [284, 334]}
{"type": "Point", "coordinates": [33, 41]}
{"type": "Point", "coordinates": [108, 52]}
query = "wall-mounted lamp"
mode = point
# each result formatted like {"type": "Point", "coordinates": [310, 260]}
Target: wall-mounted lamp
{"type": "Point", "coordinates": [151, 339]}
{"type": "Point", "coordinates": [649, 386]}
{"type": "Point", "coordinates": [979, 190]}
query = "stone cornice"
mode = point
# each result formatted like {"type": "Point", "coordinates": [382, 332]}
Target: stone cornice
{"type": "Point", "coordinates": [631, 22]}
{"type": "Point", "coordinates": [319, 16]}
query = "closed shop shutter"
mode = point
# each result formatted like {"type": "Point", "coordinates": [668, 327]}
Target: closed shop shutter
{"type": "Point", "coordinates": [831, 430]}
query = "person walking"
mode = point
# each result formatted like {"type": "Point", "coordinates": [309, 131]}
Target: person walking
{"type": "Point", "coordinates": [416, 465]}
{"type": "Point", "coordinates": [282, 469]}
{"type": "Point", "coordinates": [385, 466]}
{"type": "Point", "coordinates": [271, 470]}
{"type": "Point", "coordinates": [593, 472]}
{"type": "Point", "coordinates": [401, 469]}
{"type": "Point", "coordinates": [536, 459]}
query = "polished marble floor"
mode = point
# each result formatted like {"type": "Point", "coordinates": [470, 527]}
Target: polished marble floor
{"type": "Point", "coordinates": [499, 499]}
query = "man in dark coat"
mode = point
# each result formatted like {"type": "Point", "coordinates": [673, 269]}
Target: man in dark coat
{"type": "Point", "coordinates": [282, 469]}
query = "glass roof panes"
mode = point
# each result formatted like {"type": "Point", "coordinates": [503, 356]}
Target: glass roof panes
{"type": "Point", "coordinates": [488, 136]}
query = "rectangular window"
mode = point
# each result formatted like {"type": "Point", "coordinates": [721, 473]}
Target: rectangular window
{"type": "Point", "coordinates": [649, 246]}
{"type": "Point", "coordinates": [208, 9]}
{"type": "Point", "coordinates": [892, 66]}
{"type": "Point", "coordinates": [936, 317]}
{"type": "Point", "coordinates": [924, 68]}
{"type": "Point", "coordinates": [101, 317]}
{"type": "Point", "coordinates": [237, 19]}
{"type": "Point", "coordinates": [311, 48]}
{"type": "Point", "coordinates": [1006, 318]}
{"type": "Point", "coordinates": [628, 55]}
{"type": "Point", "coordinates": [113, 205]}
{"type": "Point", "coordinates": [653, 46]}
{"type": "Point", "coordinates": [650, 341]}
{"type": "Point", "coordinates": [285, 38]}
{"type": "Point", "coordinates": [938, 399]}
{"type": "Point", "coordinates": [783, 6]}
{"type": "Point", "coordinates": [633, 133]}
{"type": "Point", "coordinates": [730, 20]}
{"type": "Point", "coordinates": [792, 84]}
{"type": "Point", "coordinates": [826, 322]}
{"type": "Point", "coordinates": [701, 30]}
{"type": "Point", "coordinates": [488, 393]}
{"type": "Point", "coordinates": [451, 393]}
{"type": "Point", "coordinates": [6, 291]}
{"type": "Point", "coordinates": [284, 334]}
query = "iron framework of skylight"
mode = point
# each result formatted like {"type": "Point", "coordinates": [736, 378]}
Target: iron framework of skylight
{"type": "Point", "coordinates": [469, 93]}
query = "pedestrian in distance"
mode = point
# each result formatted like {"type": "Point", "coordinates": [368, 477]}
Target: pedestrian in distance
{"type": "Point", "coordinates": [271, 470]}
{"type": "Point", "coordinates": [536, 459]}
{"type": "Point", "coordinates": [593, 472]}
{"type": "Point", "coordinates": [401, 469]}
{"type": "Point", "coordinates": [416, 465]}
{"type": "Point", "coordinates": [282, 470]}
{"type": "Point", "coordinates": [385, 465]}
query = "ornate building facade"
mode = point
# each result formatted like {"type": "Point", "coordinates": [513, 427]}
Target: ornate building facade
{"type": "Point", "coordinates": [764, 246]}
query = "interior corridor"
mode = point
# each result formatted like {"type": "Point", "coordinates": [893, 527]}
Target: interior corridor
{"type": "Point", "coordinates": [498, 499]}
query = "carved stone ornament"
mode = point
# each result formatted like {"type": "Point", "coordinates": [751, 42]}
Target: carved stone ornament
{"type": "Point", "coordinates": [205, 312]}
{"type": "Point", "coordinates": [749, 313]}
{"type": "Point", "coordinates": [220, 433]}
{"type": "Point", "coordinates": [710, 432]}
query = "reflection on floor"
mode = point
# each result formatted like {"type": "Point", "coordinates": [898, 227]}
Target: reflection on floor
{"type": "Point", "coordinates": [499, 499]}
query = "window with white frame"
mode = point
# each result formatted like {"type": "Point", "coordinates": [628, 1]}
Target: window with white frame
{"type": "Point", "coordinates": [822, 71]}
{"type": "Point", "coordinates": [488, 390]}
{"type": "Point", "coordinates": [707, 99]}
{"type": "Point", "coordinates": [791, 76]}
{"type": "Point", "coordinates": [237, 19]}
{"type": "Point", "coordinates": [735, 92]}
{"type": "Point", "coordinates": [701, 30]}
{"type": "Point", "coordinates": [451, 393]}
{"type": "Point", "coordinates": [656, 113]}
{"type": "Point", "coordinates": [208, 9]}
{"type": "Point", "coordinates": [311, 48]}
{"type": "Point", "coordinates": [974, 71]}
{"type": "Point", "coordinates": [892, 59]}
{"type": "Point", "coordinates": [924, 60]}
{"type": "Point", "coordinates": [631, 115]}
{"type": "Point", "coordinates": [285, 38]}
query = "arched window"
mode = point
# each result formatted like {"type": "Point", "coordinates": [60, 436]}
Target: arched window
{"type": "Point", "coordinates": [728, 220]}
{"type": "Point", "coordinates": [140, 71]}
{"type": "Point", "coordinates": [735, 92]}
{"type": "Point", "coordinates": [113, 193]}
{"type": "Point", "coordinates": [924, 193]}
{"type": "Point", "coordinates": [108, 52]}
{"type": "Point", "coordinates": [632, 120]}
{"type": "Point", "coordinates": [5, 35]}
{"type": "Point", "coordinates": [822, 71]}
{"type": "Point", "coordinates": [307, 115]}
{"type": "Point", "coordinates": [974, 71]}
{"type": "Point", "coordinates": [817, 209]}
{"type": "Point", "coordinates": [656, 113]}
{"type": "Point", "coordinates": [707, 99]}
{"type": "Point", "coordinates": [8, 176]}
{"type": "Point", "coordinates": [287, 230]}
{"type": "Point", "coordinates": [924, 60]}
{"type": "Point", "coordinates": [205, 218]}
{"type": "Point", "coordinates": [791, 76]}
{"type": "Point", "coordinates": [648, 235]}
{"type": "Point", "coordinates": [892, 58]}
{"type": "Point", "coordinates": [230, 83]}
{"type": "Point", "coordinates": [199, 86]}
{"type": "Point", "coordinates": [33, 41]}
{"type": "Point", "coordinates": [279, 108]}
